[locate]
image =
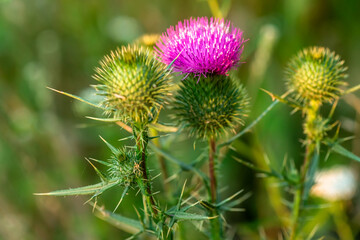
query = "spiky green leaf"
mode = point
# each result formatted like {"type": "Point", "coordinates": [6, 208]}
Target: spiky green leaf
{"type": "Point", "coordinates": [163, 128]}
{"type": "Point", "coordinates": [87, 190]}
{"type": "Point", "coordinates": [79, 99]}
{"type": "Point", "coordinates": [188, 216]}
{"type": "Point", "coordinates": [105, 119]}
{"type": "Point", "coordinates": [127, 224]}
{"type": "Point", "coordinates": [113, 149]}
{"type": "Point", "coordinates": [342, 151]}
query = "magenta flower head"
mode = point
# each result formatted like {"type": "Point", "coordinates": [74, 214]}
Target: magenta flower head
{"type": "Point", "coordinates": [203, 47]}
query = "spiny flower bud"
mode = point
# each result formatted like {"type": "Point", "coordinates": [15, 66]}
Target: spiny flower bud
{"type": "Point", "coordinates": [210, 106]}
{"type": "Point", "coordinates": [148, 40]}
{"type": "Point", "coordinates": [133, 82]}
{"type": "Point", "coordinates": [201, 46]}
{"type": "Point", "coordinates": [316, 74]}
{"type": "Point", "coordinates": [123, 166]}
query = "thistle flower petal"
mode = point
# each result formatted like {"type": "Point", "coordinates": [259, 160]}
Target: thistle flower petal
{"type": "Point", "coordinates": [206, 47]}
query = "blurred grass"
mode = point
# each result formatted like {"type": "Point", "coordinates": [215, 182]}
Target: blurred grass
{"type": "Point", "coordinates": [58, 44]}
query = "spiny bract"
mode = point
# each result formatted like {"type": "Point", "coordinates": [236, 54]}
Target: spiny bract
{"type": "Point", "coordinates": [134, 84]}
{"type": "Point", "coordinates": [315, 74]}
{"type": "Point", "coordinates": [209, 107]}
{"type": "Point", "coordinates": [124, 167]}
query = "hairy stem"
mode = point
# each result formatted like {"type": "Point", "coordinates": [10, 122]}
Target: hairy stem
{"type": "Point", "coordinates": [141, 136]}
{"type": "Point", "coordinates": [216, 228]}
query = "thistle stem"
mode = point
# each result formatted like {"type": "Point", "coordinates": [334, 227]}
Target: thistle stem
{"type": "Point", "coordinates": [298, 198]}
{"type": "Point", "coordinates": [312, 136]}
{"type": "Point", "coordinates": [150, 198]}
{"type": "Point", "coordinates": [141, 137]}
{"type": "Point", "coordinates": [216, 228]}
{"type": "Point", "coordinates": [212, 170]}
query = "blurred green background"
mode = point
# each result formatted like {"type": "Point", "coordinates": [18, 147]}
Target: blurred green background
{"type": "Point", "coordinates": [44, 136]}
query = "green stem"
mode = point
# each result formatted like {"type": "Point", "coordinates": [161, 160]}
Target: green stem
{"type": "Point", "coordinates": [216, 228]}
{"type": "Point", "coordinates": [298, 198]}
{"type": "Point", "coordinates": [312, 136]}
{"type": "Point", "coordinates": [296, 212]}
{"type": "Point", "coordinates": [141, 136]}
{"type": "Point", "coordinates": [212, 174]}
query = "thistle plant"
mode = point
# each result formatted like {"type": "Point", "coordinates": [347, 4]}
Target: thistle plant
{"type": "Point", "coordinates": [135, 86]}
{"type": "Point", "coordinates": [208, 109]}
{"type": "Point", "coordinates": [208, 102]}
{"type": "Point", "coordinates": [314, 77]}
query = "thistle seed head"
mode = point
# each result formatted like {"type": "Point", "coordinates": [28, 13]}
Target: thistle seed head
{"type": "Point", "coordinates": [210, 106]}
{"type": "Point", "coordinates": [315, 74]}
{"type": "Point", "coordinates": [133, 83]}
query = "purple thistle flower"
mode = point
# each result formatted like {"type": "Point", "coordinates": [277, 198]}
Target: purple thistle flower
{"type": "Point", "coordinates": [202, 47]}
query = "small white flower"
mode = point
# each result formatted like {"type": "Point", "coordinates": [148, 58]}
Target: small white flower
{"type": "Point", "coordinates": [337, 183]}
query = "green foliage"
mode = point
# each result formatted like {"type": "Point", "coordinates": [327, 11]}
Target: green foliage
{"type": "Point", "coordinates": [210, 107]}
{"type": "Point", "coordinates": [133, 83]}
{"type": "Point", "coordinates": [315, 74]}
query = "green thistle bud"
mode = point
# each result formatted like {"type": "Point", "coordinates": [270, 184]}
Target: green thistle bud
{"type": "Point", "coordinates": [210, 106]}
{"type": "Point", "coordinates": [133, 82]}
{"type": "Point", "coordinates": [316, 74]}
{"type": "Point", "coordinates": [123, 167]}
{"type": "Point", "coordinates": [147, 40]}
